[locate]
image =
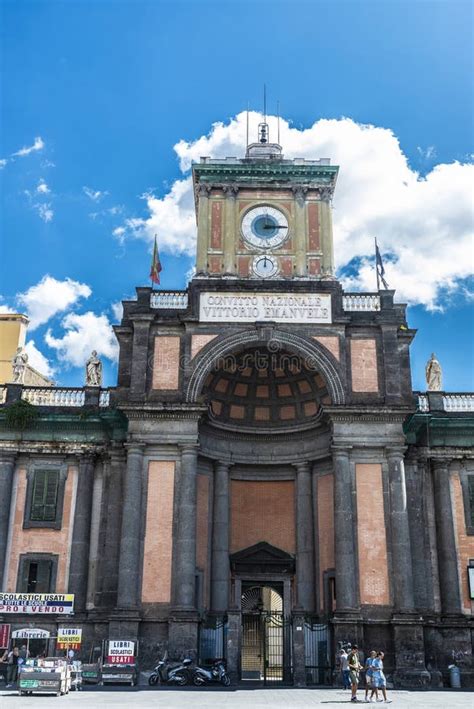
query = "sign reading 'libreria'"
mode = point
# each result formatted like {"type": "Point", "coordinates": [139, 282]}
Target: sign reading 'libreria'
{"type": "Point", "coordinates": [61, 603]}
{"type": "Point", "coordinates": [252, 307]}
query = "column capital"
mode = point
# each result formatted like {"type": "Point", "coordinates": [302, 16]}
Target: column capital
{"type": "Point", "coordinates": [302, 466]}
{"type": "Point", "coordinates": [222, 465]}
{"type": "Point", "coordinates": [188, 448]}
{"type": "Point", "coordinates": [133, 448]}
{"type": "Point", "coordinates": [204, 189]}
{"type": "Point", "coordinates": [440, 464]}
{"type": "Point", "coordinates": [231, 191]}
{"type": "Point", "coordinates": [300, 193]}
{"type": "Point", "coordinates": [341, 451]}
{"type": "Point", "coordinates": [395, 451]}
{"type": "Point", "coordinates": [8, 456]}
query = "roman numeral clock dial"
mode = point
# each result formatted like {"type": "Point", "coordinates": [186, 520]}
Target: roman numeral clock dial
{"type": "Point", "coordinates": [265, 228]}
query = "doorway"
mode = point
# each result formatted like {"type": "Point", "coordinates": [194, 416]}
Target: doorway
{"type": "Point", "coordinates": [266, 635]}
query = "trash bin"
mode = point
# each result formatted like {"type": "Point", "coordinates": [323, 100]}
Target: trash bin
{"type": "Point", "coordinates": [454, 676]}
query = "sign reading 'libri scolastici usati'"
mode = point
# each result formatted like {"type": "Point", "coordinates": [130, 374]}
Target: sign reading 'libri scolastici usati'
{"type": "Point", "coordinates": [252, 307]}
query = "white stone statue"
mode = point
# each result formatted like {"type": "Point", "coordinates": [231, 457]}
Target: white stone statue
{"type": "Point", "coordinates": [433, 374]}
{"type": "Point", "coordinates": [93, 371]}
{"type": "Point", "coordinates": [19, 363]}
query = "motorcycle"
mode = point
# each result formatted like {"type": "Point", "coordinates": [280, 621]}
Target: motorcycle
{"type": "Point", "coordinates": [166, 673]}
{"type": "Point", "coordinates": [217, 673]}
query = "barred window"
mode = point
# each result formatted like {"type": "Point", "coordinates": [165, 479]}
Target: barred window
{"type": "Point", "coordinates": [45, 496]}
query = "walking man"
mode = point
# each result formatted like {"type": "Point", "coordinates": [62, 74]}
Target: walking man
{"type": "Point", "coordinates": [344, 665]}
{"type": "Point", "coordinates": [354, 671]}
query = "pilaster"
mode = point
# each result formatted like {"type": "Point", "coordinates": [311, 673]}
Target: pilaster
{"type": "Point", "coordinates": [230, 235]}
{"type": "Point", "coordinates": [299, 237]}
{"type": "Point", "coordinates": [7, 468]}
{"type": "Point", "coordinates": [220, 576]}
{"type": "Point", "coordinates": [344, 533]}
{"type": "Point", "coordinates": [79, 564]}
{"type": "Point", "coordinates": [203, 191]}
{"type": "Point", "coordinates": [304, 538]}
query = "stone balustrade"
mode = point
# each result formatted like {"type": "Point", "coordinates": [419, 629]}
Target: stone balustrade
{"type": "Point", "coordinates": [451, 403]}
{"type": "Point", "coordinates": [358, 302]}
{"type": "Point", "coordinates": [169, 300]}
{"type": "Point", "coordinates": [53, 396]}
{"type": "Point", "coordinates": [3, 394]}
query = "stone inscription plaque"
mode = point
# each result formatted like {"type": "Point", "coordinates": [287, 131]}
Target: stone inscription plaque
{"type": "Point", "coordinates": [252, 307]}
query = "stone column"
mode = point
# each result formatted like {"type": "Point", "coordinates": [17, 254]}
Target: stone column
{"type": "Point", "coordinates": [94, 533]}
{"type": "Point", "coordinates": [446, 539]}
{"type": "Point", "coordinates": [129, 561]}
{"type": "Point", "coordinates": [230, 236]}
{"type": "Point", "coordinates": [79, 564]}
{"type": "Point", "coordinates": [110, 561]}
{"type": "Point", "coordinates": [304, 538]}
{"type": "Point", "coordinates": [203, 191]}
{"type": "Point", "coordinates": [401, 549]}
{"type": "Point", "coordinates": [140, 355]}
{"type": "Point", "coordinates": [327, 246]}
{"type": "Point", "coordinates": [220, 578]}
{"type": "Point", "coordinates": [300, 230]}
{"type": "Point", "coordinates": [344, 533]}
{"type": "Point", "coordinates": [185, 546]}
{"type": "Point", "coordinates": [7, 468]}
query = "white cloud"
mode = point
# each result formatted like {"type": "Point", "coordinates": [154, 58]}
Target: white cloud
{"type": "Point", "coordinates": [94, 195]}
{"type": "Point", "coordinates": [42, 187]}
{"type": "Point", "coordinates": [117, 309]}
{"type": "Point", "coordinates": [49, 297]}
{"type": "Point", "coordinates": [84, 333]}
{"type": "Point", "coordinates": [424, 222]}
{"type": "Point", "coordinates": [45, 211]}
{"type": "Point", "coordinates": [37, 360]}
{"type": "Point", "coordinates": [3, 163]}
{"type": "Point", "coordinates": [4, 309]}
{"type": "Point", "coordinates": [37, 145]}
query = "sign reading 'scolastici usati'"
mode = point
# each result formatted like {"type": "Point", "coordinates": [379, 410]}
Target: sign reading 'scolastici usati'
{"type": "Point", "coordinates": [252, 307]}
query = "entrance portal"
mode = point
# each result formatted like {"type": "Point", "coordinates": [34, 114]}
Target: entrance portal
{"type": "Point", "coordinates": [266, 635]}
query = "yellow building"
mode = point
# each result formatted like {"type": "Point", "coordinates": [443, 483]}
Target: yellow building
{"type": "Point", "coordinates": [13, 327]}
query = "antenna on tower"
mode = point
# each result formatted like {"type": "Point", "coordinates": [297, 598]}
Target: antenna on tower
{"type": "Point", "coordinates": [278, 122]}
{"type": "Point", "coordinates": [247, 142]}
{"type": "Point", "coordinates": [263, 127]}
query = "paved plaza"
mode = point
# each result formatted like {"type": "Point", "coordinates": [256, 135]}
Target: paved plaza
{"type": "Point", "coordinates": [216, 698]}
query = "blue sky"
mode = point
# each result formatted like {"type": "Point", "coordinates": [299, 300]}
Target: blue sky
{"type": "Point", "coordinates": [110, 87]}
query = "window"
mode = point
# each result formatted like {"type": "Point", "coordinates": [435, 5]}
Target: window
{"type": "Point", "coordinates": [37, 573]}
{"type": "Point", "coordinates": [467, 483]}
{"type": "Point", "coordinates": [44, 496]}
{"type": "Point", "coordinates": [470, 489]}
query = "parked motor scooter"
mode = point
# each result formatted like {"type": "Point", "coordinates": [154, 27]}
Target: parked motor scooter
{"type": "Point", "coordinates": [166, 673]}
{"type": "Point", "coordinates": [217, 673]}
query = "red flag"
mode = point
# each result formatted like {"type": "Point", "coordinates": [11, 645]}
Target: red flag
{"type": "Point", "coordinates": [155, 265]}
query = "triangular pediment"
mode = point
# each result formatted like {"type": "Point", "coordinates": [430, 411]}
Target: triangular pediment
{"type": "Point", "coordinates": [262, 556]}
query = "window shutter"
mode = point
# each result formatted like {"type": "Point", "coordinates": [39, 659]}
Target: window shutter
{"type": "Point", "coordinates": [51, 495]}
{"type": "Point", "coordinates": [39, 484]}
{"type": "Point", "coordinates": [45, 495]}
{"type": "Point", "coordinates": [470, 482]}
{"type": "Point", "coordinates": [43, 578]}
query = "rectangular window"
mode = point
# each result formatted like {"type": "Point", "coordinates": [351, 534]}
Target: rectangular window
{"type": "Point", "coordinates": [37, 573]}
{"type": "Point", "coordinates": [45, 495]}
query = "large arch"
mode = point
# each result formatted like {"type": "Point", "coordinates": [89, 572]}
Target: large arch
{"type": "Point", "coordinates": [272, 338]}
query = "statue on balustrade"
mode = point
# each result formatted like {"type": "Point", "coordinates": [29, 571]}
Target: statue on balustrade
{"type": "Point", "coordinates": [19, 363]}
{"type": "Point", "coordinates": [93, 371]}
{"type": "Point", "coordinates": [433, 374]}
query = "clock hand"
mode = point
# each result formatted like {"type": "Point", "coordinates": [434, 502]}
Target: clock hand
{"type": "Point", "coordinates": [274, 226]}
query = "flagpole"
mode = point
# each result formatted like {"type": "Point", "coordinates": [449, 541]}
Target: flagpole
{"type": "Point", "coordinates": [376, 266]}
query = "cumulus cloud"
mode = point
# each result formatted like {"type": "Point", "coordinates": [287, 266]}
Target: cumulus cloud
{"type": "Point", "coordinates": [45, 211]}
{"type": "Point", "coordinates": [26, 150]}
{"type": "Point", "coordinates": [94, 195]}
{"type": "Point", "coordinates": [83, 333]}
{"type": "Point", "coordinates": [117, 310]}
{"type": "Point", "coordinates": [423, 223]}
{"type": "Point", "coordinates": [37, 360]}
{"type": "Point", "coordinates": [49, 297]}
{"type": "Point", "coordinates": [3, 163]}
{"type": "Point", "coordinates": [42, 187]}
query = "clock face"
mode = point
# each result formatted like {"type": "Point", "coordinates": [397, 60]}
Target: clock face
{"type": "Point", "coordinates": [265, 266]}
{"type": "Point", "coordinates": [264, 227]}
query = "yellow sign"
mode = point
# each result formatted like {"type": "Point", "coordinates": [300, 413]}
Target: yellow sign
{"type": "Point", "coordinates": [69, 636]}
{"type": "Point", "coordinates": [57, 603]}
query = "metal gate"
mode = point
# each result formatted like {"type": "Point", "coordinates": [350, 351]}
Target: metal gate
{"type": "Point", "coordinates": [212, 639]}
{"type": "Point", "coordinates": [266, 647]}
{"type": "Point", "coordinates": [317, 652]}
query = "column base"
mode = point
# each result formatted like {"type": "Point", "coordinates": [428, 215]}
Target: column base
{"type": "Point", "coordinates": [299, 668]}
{"type": "Point", "coordinates": [233, 645]}
{"type": "Point", "coordinates": [124, 624]}
{"type": "Point", "coordinates": [408, 639]}
{"type": "Point", "coordinates": [183, 635]}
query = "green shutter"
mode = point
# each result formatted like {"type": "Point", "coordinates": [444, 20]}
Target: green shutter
{"type": "Point", "coordinates": [470, 482]}
{"type": "Point", "coordinates": [45, 495]}
{"type": "Point", "coordinates": [43, 578]}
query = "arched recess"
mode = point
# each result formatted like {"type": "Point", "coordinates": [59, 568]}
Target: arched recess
{"type": "Point", "coordinates": [272, 339]}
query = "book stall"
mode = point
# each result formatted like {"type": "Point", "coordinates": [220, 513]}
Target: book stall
{"type": "Point", "coordinates": [45, 675]}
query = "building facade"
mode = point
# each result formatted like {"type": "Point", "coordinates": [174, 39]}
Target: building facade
{"type": "Point", "coordinates": [262, 483]}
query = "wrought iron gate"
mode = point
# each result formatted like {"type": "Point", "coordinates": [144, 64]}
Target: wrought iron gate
{"type": "Point", "coordinates": [212, 639]}
{"type": "Point", "coordinates": [317, 652]}
{"type": "Point", "coordinates": [266, 647]}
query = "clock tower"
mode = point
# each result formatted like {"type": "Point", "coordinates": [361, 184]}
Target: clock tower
{"type": "Point", "coordinates": [263, 216]}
